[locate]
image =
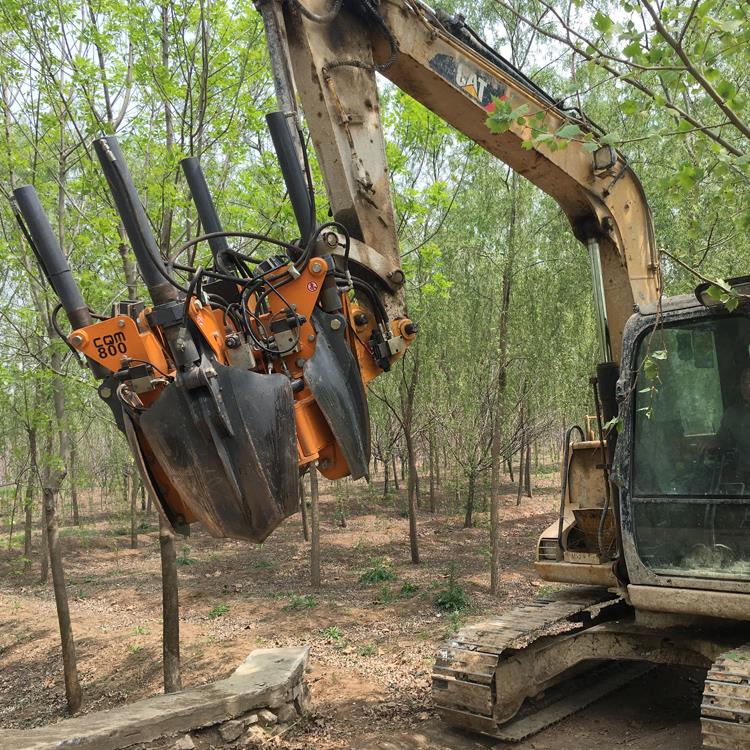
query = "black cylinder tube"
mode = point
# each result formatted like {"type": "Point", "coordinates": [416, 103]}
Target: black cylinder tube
{"type": "Point", "coordinates": [294, 177]}
{"type": "Point", "coordinates": [128, 204]}
{"type": "Point", "coordinates": [51, 257]}
{"type": "Point", "coordinates": [204, 204]}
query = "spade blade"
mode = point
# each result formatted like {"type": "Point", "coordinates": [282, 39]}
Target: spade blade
{"type": "Point", "coordinates": [239, 485]}
{"type": "Point", "coordinates": [334, 379]}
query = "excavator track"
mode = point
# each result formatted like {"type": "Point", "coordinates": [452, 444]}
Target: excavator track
{"type": "Point", "coordinates": [725, 711]}
{"type": "Point", "coordinates": [463, 677]}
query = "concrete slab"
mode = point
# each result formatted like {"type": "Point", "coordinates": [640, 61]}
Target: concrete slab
{"type": "Point", "coordinates": [267, 678]}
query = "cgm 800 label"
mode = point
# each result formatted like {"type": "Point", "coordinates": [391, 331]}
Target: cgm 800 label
{"type": "Point", "coordinates": [110, 345]}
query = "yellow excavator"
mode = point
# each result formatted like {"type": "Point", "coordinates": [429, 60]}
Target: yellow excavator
{"type": "Point", "coordinates": [654, 521]}
{"type": "Point", "coordinates": [250, 371]}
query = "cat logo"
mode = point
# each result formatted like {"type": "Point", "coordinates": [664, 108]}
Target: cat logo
{"type": "Point", "coordinates": [476, 84]}
{"type": "Point", "coordinates": [472, 83]}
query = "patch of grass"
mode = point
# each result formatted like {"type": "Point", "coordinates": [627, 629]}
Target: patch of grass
{"type": "Point", "coordinates": [407, 590]}
{"type": "Point", "coordinates": [184, 557]}
{"type": "Point", "coordinates": [144, 525]}
{"type": "Point", "coordinates": [218, 611]}
{"type": "Point", "coordinates": [297, 602]}
{"type": "Point", "coordinates": [332, 633]}
{"type": "Point", "coordinates": [452, 598]}
{"type": "Point", "coordinates": [139, 630]}
{"type": "Point", "coordinates": [379, 572]}
{"type": "Point", "coordinates": [369, 649]}
{"type": "Point", "coordinates": [135, 648]}
{"type": "Point", "coordinates": [544, 591]}
{"type": "Point", "coordinates": [263, 564]}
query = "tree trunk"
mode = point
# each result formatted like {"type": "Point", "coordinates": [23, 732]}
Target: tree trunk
{"type": "Point", "coordinates": [468, 518]}
{"type": "Point", "coordinates": [70, 670]}
{"type": "Point", "coordinates": [43, 553]}
{"type": "Point", "coordinates": [343, 502]}
{"type": "Point", "coordinates": [412, 495]}
{"type": "Point", "coordinates": [433, 468]}
{"type": "Point", "coordinates": [395, 473]}
{"type": "Point", "coordinates": [520, 475]}
{"type": "Point", "coordinates": [170, 603]}
{"type": "Point", "coordinates": [303, 509]}
{"type": "Point", "coordinates": [28, 505]}
{"type": "Point", "coordinates": [315, 528]}
{"type": "Point", "coordinates": [527, 470]}
{"type": "Point", "coordinates": [509, 463]}
{"type": "Point", "coordinates": [72, 478]}
{"type": "Point", "coordinates": [385, 480]}
{"type": "Point", "coordinates": [130, 498]}
{"type": "Point", "coordinates": [16, 493]}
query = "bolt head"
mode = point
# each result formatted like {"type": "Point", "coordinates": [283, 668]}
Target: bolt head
{"type": "Point", "coordinates": [331, 239]}
{"type": "Point", "coordinates": [299, 362]}
{"type": "Point", "coordinates": [315, 267]}
{"type": "Point", "coordinates": [335, 324]}
{"type": "Point", "coordinates": [311, 337]}
{"type": "Point", "coordinates": [105, 392]}
{"type": "Point", "coordinates": [121, 323]}
{"type": "Point", "coordinates": [76, 340]}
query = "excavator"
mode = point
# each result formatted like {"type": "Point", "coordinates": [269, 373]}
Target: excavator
{"type": "Point", "coordinates": [234, 382]}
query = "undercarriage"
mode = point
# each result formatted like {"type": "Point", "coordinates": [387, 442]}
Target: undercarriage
{"type": "Point", "coordinates": [514, 675]}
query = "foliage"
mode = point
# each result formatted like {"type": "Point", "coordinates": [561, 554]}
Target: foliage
{"type": "Point", "coordinates": [218, 611]}
{"type": "Point", "coordinates": [378, 572]}
{"type": "Point", "coordinates": [297, 602]}
{"type": "Point", "coordinates": [452, 598]}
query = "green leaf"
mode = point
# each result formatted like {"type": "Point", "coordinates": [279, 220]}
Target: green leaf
{"type": "Point", "coordinates": [660, 354]}
{"type": "Point", "coordinates": [630, 107]}
{"type": "Point", "coordinates": [571, 130]}
{"type": "Point", "coordinates": [602, 23]}
{"type": "Point", "coordinates": [590, 147]}
{"type": "Point", "coordinates": [633, 50]}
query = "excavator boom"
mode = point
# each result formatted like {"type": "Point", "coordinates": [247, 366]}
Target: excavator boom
{"type": "Point", "coordinates": [334, 55]}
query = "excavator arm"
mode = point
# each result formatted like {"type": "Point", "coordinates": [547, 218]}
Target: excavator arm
{"type": "Point", "coordinates": [332, 53]}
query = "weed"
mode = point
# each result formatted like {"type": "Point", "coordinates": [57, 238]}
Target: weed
{"type": "Point", "coordinates": [218, 611]}
{"type": "Point", "coordinates": [386, 595]}
{"type": "Point", "coordinates": [454, 624]}
{"type": "Point", "coordinates": [184, 557]}
{"type": "Point", "coordinates": [332, 633]}
{"type": "Point", "coordinates": [297, 602]}
{"type": "Point", "coordinates": [403, 513]}
{"type": "Point", "coordinates": [144, 525]}
{"type": "Point", "coordinates": [369, 649]}
{"type": "Point", "coordinates": [408, 590]}
{"type": "Point", "coordinates": [379, 572]}
{"type": "Point", "coordinates": [213, 556]}
{"type": "Point", "coordinates": [262, 564]}
{"type": "Point", "coordinates": [452, 598]}
{"type": "Point", "coordinates": [134, 648]}
{"type": "Point", "coordinates": [140, 630]}
{"type": "Point", "coordinates": [544, 591]}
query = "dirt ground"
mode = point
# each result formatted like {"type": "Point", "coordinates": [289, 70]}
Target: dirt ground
{"type": "Point", "coordinates": [372, 646]}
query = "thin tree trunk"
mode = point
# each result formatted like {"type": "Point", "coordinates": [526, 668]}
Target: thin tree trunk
{"type": "Point", "coordinates": [468, 518]}
{"type": "Point", "coordinates": [520, 475]}
{"type": "Point", "coordinates": [303, 509]}
{"type": "Point", "coordinates": [16, 493]}
{"type": "Point", "coordinates": [70, 670]}
{"type": "Point", "coordinates": [28, 506]}
{"type": "Point", "coordinates": [509, 463]}
{"type": "Point", "coordinates": [43, 553]}
{"type": "Point", "coordinates": [395, 473]}
{"type": "Point", "coordinates": [314, 528]}
{"type": "Point", "coordinates": [527, 470]}
{"type": "Point", "coordinates": [385, 479]}
{"type": "Point", "coordinates": [412, 495]}
{"type": "Point", "coordinates": [72, 478]}
{"type": "Point", "coordinates": [433, 467]}
{"type": "Point", "coordinates": [170, 609]}
{"type": "Point", "coordinates": [343, 502]}
{"type": "Point", "coordinates": [131, 490]}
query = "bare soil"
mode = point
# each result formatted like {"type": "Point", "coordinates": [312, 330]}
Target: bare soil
{"type": "Point", "coordinates": [372, 646]}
